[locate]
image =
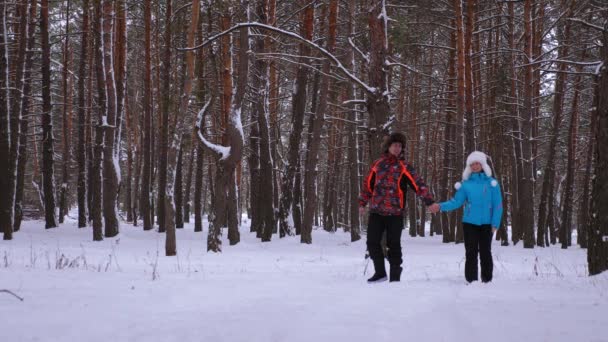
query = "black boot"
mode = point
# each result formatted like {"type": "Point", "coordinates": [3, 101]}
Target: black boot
{"type": "Point", "coordinates": [380, 272]}
{"type": "Point", "coordinates": [396, 273]}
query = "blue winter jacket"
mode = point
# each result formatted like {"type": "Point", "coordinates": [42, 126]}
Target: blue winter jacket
{"type": "Point", "coordinates": [482, 200]}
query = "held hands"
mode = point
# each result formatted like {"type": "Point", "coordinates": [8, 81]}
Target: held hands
{"type": "Point", "coordinates": [434, 208]}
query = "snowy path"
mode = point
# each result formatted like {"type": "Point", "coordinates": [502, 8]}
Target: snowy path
{"type": "Point", "coordinates": [286, 291]}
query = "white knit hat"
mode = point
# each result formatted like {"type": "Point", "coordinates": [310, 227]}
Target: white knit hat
{"type": "Point", "coordinates": [481, 158]}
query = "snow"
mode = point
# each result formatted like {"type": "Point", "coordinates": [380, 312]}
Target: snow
{"type": "Point", "coordinates": [224, 151]}
{"type": "Point", "coordinates": [384, 17]}
{"type": "Point", "coordinates": [236, 120]}
{"type": "Point", "coordinates": [117, 168]}
{"type": "Point", "coordinates": [309, 292]}
{"type": "Point", "coordinates": [598, 68]}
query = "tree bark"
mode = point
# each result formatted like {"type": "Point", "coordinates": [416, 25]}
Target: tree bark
{"type": "Point", "coordinates": [48, 169]}
{"type": "Point", "coordinates": [96, 186]}
{"type": "Point", "coordinates": [526, 179]}
{"type": "Point", "coordinates": [82, 125]}
{"type": "Point", "coordinates": [146, 188]}
{"type": "Point", "coordinates": [66, 127]}
{"type": "Point", "coordinates": [111, 171]}
{"type": "Point", "coordinates": [597, 253]}
{"type": "Point", "coordinates": [546, 197]}
{"type": "Point", "coordinates": [299, 97]}
{"type": "Point", "coordinates": [312, 153]}
{"type": "Point", "coordinates": [7, 174]}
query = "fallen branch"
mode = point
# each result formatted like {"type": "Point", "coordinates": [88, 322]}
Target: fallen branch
{"type": "Point", "coordinates": [11, 292]}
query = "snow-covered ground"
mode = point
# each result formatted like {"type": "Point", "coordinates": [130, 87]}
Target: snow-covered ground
{"type": "Point", "coordinates": [125, 289]}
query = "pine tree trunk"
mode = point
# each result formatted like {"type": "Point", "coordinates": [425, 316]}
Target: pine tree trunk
{"type": "Point", "coordinates": [198, 185]}
{"type": "Point", "coordinates": [178, 188]}
{"type": "Point", "coordinates": [188, 185]}
{"type": "Point", "coordinates": [526, 179]}
{"type": "Point", "coordinates": [111, 172]}
{"type": "Point", "coordinates": [48, 169]}
{"type": "Point", "coordinates": [7, 173]}
{"type": "Point", "coordinates": [24, 108]}
{"type": "Point", "coordinates": [96, 186]}
{"type": "Point", "coordinates": [597, 253]}
{"type": "Point", "coordinates": [314, 142]}
{"type": "Point", "coordinates": [353, 141]}
{"type": "Point", "coordinates": [82, 126]}
{"type": "Point", "coordinates": [261, 84]}
{"type": "Point", "coordinates": [65, 129]}
{"type": "Point", "coordinates": [377, 101]}
{"type": "Point", "coordinates": [584, 217]}
{"type": "Point", "coordinates": [225, 199]}
{"type": "Point", "coordinates": [566, 215]}
{"type": "Point", "coordinates": [146, 186]}
{"type": "Point", "coordinates": [469, 112]}
{"type": "Point", "coordinates": [288, 185]}
{"type": "Point", "coordinates": [448, 138]}
{"type": "Point", "coordinates": [546, 197]}
{"type": "Point", "coordinates": [515, 155]}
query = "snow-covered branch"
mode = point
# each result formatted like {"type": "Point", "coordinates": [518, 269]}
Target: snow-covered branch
{"type": "Point", "coordinates": [222, 151]}
{"type": "Point", "coordinates": [409, 68]}
{"type": "Point", "coordinates": [581, 21]}
{"type": "Point", "coordinates": [363, 55]}
{"type": "Point", "coordinates": [326, 53]}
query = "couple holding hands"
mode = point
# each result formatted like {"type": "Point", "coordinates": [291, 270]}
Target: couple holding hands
{"type": "Point", "coordinates": [384, 190]}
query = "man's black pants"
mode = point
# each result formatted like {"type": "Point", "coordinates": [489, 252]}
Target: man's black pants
{"type": "Point", "coordinates": [393, 225]}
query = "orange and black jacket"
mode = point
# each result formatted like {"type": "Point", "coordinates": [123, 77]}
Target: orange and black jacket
{"type": "Point", "coordinates": [385, 186]}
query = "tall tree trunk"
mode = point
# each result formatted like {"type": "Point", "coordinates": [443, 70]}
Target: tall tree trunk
{"type": "Point", "coordinates": [460, 105]}
{"type": "Point", "coordinates": [377, 101]}
{"type": "Point", "coordinates": [111, 171]}
{"type": "Point", "coordinates": [167, 149]}
{"type": "Point", "coordinates": [526, 179]}
{"type": "Point", "coordinates": [546, 197]}
{"type": "Point", "coordinates": [448, 138]}
{"type": "Point", "coordinates": [65, 141]}
{"type": "Point", "coordinates": [178, 188]}
{"type": "Point", "coordinates": [8, 215]}
{"type": "Point", "coordinates": [198, 185]}
{"type": "Point", "coordinates": [173, 211]}
{"type": "Point", "coordinates": [515, 136]}
{"type": "Point", "coordinates": [566, 219]}
{"type": "Point", "coordinates": [146, 186]}
{"type": "Point", "coordinates": [470, 141]}
{"type": "Point", "coordinates": [262, 86]}
{"type": "Point", "coordinates": [82, 160]}
{"type": "Point", "coordinates": [597, 253]}
{"type": "Point", "coordinates": [353, 141]}
{"type": "Point", "coordinates": [584, 217]}
{"type": "Point", "coordinates": [96, 183]}
{"type": "Point", "coordinates": [188, 185]}
{"type": "Point", "coordinates": [24, 108]}
{"type": "Point", "coordinates": [48, 169]}
{"type": "Point", "coordinates": [8, 173]}
{"type": "Point", "coordinates": [298, 108]}
{"type": "Point", "coordinates": [225, 199]}
{"type": "Point", "coordinates": [314, 142]}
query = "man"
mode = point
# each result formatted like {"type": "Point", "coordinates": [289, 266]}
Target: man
{"type": "Point", "coordinates": [384, 189]}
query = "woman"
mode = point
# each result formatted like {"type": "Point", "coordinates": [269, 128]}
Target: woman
{"type": "Point", "coordinates": [384, 189]}
{"type": "Point", "coordinates": [480, 194]}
